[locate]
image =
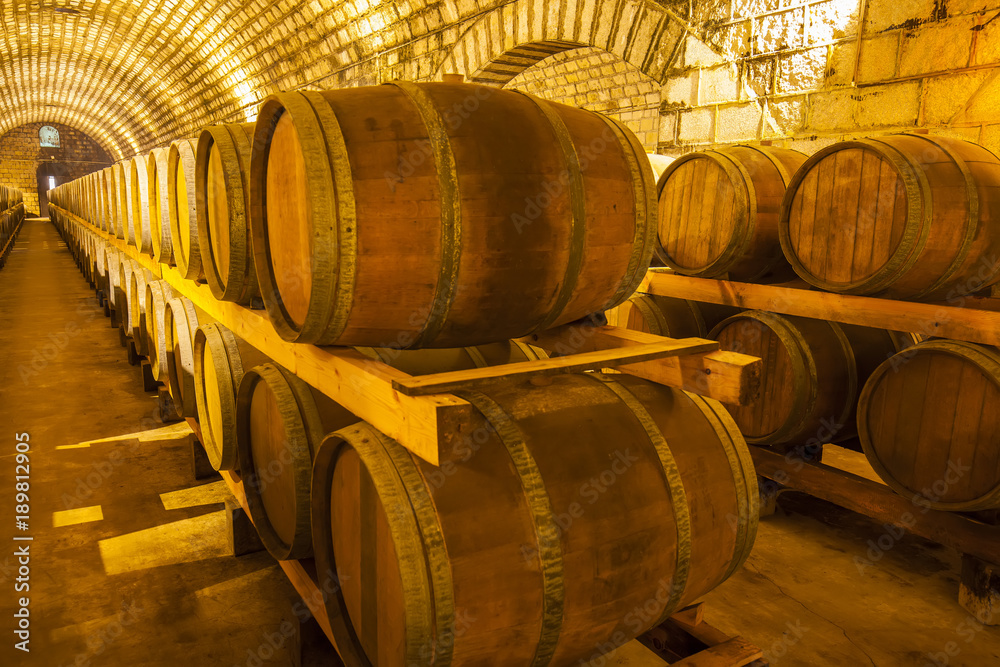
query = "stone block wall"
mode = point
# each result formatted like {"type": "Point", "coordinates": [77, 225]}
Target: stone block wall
{"type": "Point", "coordinates": [21, 156]}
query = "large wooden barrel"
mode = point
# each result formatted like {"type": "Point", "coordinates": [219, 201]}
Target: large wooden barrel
{"type": "Point", "coordinates": [718, 212]}
{"type": "Point", "coordinates": [668, 316]}
{"type": "Point", "coordinates": [438, 229]}
{"type": "Point", "coordinates": [114, 257]}
{"type": "Point", "coordinates": [139, 204]}
{"type": "Point", "coordinates": [280, 422]}
{"type": "Point", "coordinates": [904, 216]}
{"type": "Point", "coordinates": [158, 294]}
{"type": "Point", "coordinates": [928, 421]}
{"type": "Point", "coordinates": [578, 503]}
{"type": "Point", "coordinates": [181, 195]}
{"type": "Point", "coordinates": [811, 374]}
{"type": "Point", "coordinates": [159, 205]}
{"type": "Point", "coordinates": [106, 209]}
{"type": "Point", "coordinates": [222, 173]}
{"type": "Point", "coordinates": [181, 320]}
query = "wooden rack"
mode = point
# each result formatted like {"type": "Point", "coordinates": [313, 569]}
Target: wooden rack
{"type": "Point", "coordinates": [13, 235]}
{"type": "Point", "coordinates": [421, 413]}
{"type": "Point", "coordinates": [844, 477]}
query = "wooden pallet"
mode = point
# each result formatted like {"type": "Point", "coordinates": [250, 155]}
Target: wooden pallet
{"type": "Point", "coordinates": [845, 478]}
{"type": "Point", "coordinates": [422, 413]}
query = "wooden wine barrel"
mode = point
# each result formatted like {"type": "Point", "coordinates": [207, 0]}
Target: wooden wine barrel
{"type": "Point", "coordinates": [668, 316]}
{"type": "Point", "coordinates": [222, 172]}
{"type": "Point", "coordinates": [220, 361]}
{"type": "Point", "coordinates": [181, 320]}
{"type": "Point", "coordinates": [158, 293]}
{"type": "Point", "coordinates": [502, 238]}
{"type": "Point", "coordinates": [928, 421]}
{"type": "Point", "coordinates": [280, 421]}
{"type": "Point", "coordinates": [123, 190]}
{"type": "Point", "coordinates": [115, 226]}
{"type": "Point", "coordinates": [104, 208]}
{"type": "Point", "coordinates": [811, 374]}
{"type": "Point", "coordinates": [181, 195]}
{"type": "Point", "coordinates": [904, 216]}
{"type": "Point", "coordinates": [114, 258]}
{"type": "Point", "coordinates": [718, 212]}
{"type": "Point", "coordinates": [159, 205]}
{"type": "Point", "coordinates": [139, 203]}
{"type": "Point", "coordinates": [138, 308]}
{"type": "Point", "coordinates": [549, 557]}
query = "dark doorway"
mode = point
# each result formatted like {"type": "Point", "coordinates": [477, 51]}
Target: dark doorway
{"type": "Point", "coordinates": [49, 176]}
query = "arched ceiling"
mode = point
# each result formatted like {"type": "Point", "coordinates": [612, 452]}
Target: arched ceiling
{"type": "Point", "coordinates": [137, 74]}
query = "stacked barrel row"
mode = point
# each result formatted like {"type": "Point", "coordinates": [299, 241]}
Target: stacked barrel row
{"type": "Point", "coordinates": [382, 218]}
{"type": "Point", "coordinates": [912, 216]}
{"type": "Point", "coordinates": [11, 217]}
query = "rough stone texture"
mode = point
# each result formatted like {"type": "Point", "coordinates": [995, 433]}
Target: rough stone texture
{"type": "Point", "coordinates": [697, 125]}
{"type": "Point", "coordinates": [594, 79]}
{"type": "Point", "coordinates": [936, 47]}
{"type": "Point", "coordinates": [718, 84]}
{"type": "Point", "coordinates": [738, 123]}
{"type": "Point", "coordinates": [878, 58]}
{"type": "Point", "coordinates": [21, 156]}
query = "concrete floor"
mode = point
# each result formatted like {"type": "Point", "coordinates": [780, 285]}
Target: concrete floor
{"type": "Point", "coordinates": [149, 582]}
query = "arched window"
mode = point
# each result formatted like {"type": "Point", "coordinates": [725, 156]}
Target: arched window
{"type": "Point", "coordinates": [48, 137]}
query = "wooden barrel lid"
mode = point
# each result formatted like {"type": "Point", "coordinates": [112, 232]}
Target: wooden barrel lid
{"type": "Point", "coordinates": [377, 532]}
{"type": "Point", "coordinates": [278, 425]}
{"type": "Point", "coordinates": [289, 233]}
{"type": "Point", "coordinates": [216, 365]}
{"type": "Point", "coordinates": [868, 192]}
{"type": "Point", "coordinates": [928, 420]}
{"type": "Point", "coordinates": [703, 204]}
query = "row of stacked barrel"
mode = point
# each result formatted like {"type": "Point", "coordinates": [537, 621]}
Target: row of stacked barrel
{"type": "Point", "coordinates": [576, 512]}
{"type": "Point", "coordinates": [903, 216]}
{"type": "Point", "coordinates": [11, 217]}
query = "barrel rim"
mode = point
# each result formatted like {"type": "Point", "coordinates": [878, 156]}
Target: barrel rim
{"type": "Point", "coordinates": [219, 341]}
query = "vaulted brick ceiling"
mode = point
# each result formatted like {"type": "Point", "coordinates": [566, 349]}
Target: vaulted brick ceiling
{"type": "Point", "coordinates": [138, 74]}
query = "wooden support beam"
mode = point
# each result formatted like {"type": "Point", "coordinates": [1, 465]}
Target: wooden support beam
{"type": "Point", "coordinates": [879, 502]}
{"type": "Point", "coordinates": [426, 425]}
{"type": "Point", "coordinates": [728, 377]}
{"type": "Point", "coordinates": [478, 378]}
{"type": "Point", "coordinates": [962, 318]}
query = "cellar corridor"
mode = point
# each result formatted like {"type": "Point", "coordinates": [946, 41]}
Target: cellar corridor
{"type": "Point", "coordinates": [116, 519]}
{"type": "Point", "coordinates": [129, 553]}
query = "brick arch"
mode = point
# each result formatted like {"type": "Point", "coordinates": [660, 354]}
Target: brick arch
{"type": "Point", "coordinates": [511, 38]}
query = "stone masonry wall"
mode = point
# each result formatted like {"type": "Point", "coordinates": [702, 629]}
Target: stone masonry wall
{"type": "Point", "coordinates": [593, 79]}
{"type": "Point", "coordinates": [799, 74]}
{"type": "Point", "coordinates": [21, 156]}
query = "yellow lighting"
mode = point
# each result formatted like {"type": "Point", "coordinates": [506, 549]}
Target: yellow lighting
{"type": "Point", "coordinates": [76, 516]}
{"type": "Point", "coordinates": [185, 541]}
{"type": "Point", "coordinates": [196, 496]}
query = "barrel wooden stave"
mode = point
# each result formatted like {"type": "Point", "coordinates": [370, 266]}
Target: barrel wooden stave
{"type": "Point", "coordinates": [425, 284]}
{"type": "Point", "coordinates": [413, 543]}
{"type": "Point", "coordinates": [668, 316]}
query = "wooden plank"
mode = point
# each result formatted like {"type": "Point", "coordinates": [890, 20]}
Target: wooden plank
{"type": "Point", "coordinates": [728, 377]}
{"type": "Point", "coordinates": [477, 378]}
{"type": "Point", "coordinates": [426, 425]}
{"type": "Point", "coordinates": [963, 318]}
{"type": "Point", "coordinates": [734, 652]}
{"type": "Point", "coordinates": [879, 502]}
